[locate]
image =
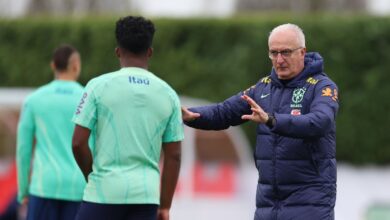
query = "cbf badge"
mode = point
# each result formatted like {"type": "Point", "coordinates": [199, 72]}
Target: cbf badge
{"type": "Point", "coordinates": [297, 97]}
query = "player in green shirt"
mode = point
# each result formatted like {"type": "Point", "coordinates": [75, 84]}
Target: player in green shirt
{"type": "Point", "coordinates": [55, 188]}
{"type": "Point", "coordinates": [134, 114]}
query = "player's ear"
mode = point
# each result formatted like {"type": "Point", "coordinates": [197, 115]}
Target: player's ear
{"type": "Point", "coordinates": [52, 66]}
{"type": "Point", "coordinates": [117, 52]}
{"type": "Point", "coordinates": [149, 53]}
{"type": "Point", "coordinates": [76, 65]}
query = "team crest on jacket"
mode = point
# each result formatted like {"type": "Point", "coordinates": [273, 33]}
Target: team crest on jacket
{"type": "Point", "coordinates": [328, 92]}
{"type": "Point", "coordinates": [297, 97]}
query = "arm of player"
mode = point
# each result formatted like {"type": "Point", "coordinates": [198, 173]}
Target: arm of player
{"type": "Point", "coordinates": [81, 150]}
{"type": "Point", "coordinates": [24, 149]}
{"type": "Point", "coordinates": [170, 175]}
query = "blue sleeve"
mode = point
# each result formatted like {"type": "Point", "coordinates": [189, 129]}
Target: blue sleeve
{"type": "Point", "coordinates": [222, 115]}
{"type": "Point", "coordinates": [320, 119]}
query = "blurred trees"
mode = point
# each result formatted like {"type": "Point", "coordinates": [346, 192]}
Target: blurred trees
{"type": "Point", "coordinates": [69, 7]}
{"type": "Point", "coordinates": [84, 7]}
{"type": "Point", "coordinates": [87, 7]}
{"type": "Point", "coordinates": [301, 5]}
{"type": "Point", "coordinates": [216, 58]}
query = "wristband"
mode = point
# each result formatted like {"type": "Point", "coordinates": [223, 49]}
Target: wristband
{"type": "Point", "coordinates": [271, 121]}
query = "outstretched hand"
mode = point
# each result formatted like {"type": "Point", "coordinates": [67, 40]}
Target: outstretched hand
{"type": "Point", "coordinates": [188, 115]}
{"type": "Point", "coordinates": [258, 114]}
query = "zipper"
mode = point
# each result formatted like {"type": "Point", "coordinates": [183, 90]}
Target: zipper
{"type": "Point", "coordinates": [274, 158]}
{"type": "Point", "coordinates": [277, 207]}
{"type": "Point", "coordinates": [275, 187]}
{"type": "Point", "coordinates": [314, 159]}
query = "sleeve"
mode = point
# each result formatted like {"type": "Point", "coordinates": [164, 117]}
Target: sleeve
{"type": "Point", "coordinates": [24, 146]}
{"type": "Point", "coordinates": [174, 131]}
{"type": "Point", "coordinates": [86, 113]}
{"type": "Point", "coordinates": [222, 115]}
{"type": "Point", "coordinates": [319, 121]}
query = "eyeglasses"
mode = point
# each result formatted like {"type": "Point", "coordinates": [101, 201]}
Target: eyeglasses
{"type": "Point", "coordinates": [273, 54]}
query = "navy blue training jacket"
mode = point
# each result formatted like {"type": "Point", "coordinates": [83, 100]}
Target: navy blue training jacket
{"type": "Point", "coordinates": [295, 158]}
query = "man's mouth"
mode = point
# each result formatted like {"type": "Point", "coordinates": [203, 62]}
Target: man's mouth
{"type": "Point", "coordinates": [282, 68]}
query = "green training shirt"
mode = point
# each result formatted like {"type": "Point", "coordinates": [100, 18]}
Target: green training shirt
{"type": "Point", "coordinates": [132, 112]}
{"type": "Point", "coordinates": [46, 117]}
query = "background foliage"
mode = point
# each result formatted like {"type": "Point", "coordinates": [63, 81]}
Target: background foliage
{"type": "Point", "coordinates": [214, 59]}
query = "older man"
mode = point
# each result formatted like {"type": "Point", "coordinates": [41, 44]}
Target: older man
{"type": "Point", "coordinates": [295, 108]}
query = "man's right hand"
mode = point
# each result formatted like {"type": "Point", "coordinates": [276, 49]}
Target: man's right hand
{"type": "Point", "coordinates": [163, 214]}
{"type": "Point", "coordinates": [187, 115]}
{"type": "Point", "coordinates": [22, 209]}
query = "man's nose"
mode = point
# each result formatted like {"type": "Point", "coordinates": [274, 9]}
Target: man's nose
{"type": "Point", "coordinates": [279, 58]}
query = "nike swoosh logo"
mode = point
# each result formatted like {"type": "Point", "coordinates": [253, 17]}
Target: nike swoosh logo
{"type": "Point", "coordinates": [263, 96]}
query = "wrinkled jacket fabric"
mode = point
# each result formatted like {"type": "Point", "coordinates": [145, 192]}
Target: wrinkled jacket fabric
{"type": "Point", "coordinates": [295, 158]}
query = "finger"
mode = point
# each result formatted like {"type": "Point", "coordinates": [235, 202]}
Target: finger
{"type": "Point", "coordinates": [195, 115]}
{"type": "Point", "coordinates": [251, 118]}
{"type": "Point", "coordinates": [184, 110]}
{"type": "Point", "coordinates": [257, 110]}
{"type": "Point", "coordinates": [190, 117]}
{"type": "Point", "coordinates": [247, 117]}
{"type": "Point", "coordinates": [250, 101]}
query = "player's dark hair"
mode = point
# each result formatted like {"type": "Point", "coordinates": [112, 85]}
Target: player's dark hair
{"type": "Point", "coordinates": [134, 34]}
{"type": "Point", "coordinates": [61, 56]}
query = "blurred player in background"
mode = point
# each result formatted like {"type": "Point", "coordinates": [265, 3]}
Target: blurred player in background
{"type": "Point", "coordinates": [134, 114]}
{"type": "Point", "coordinates": [55, 188]}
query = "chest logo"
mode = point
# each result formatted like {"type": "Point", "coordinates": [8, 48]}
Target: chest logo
{"type": "Point", "coordinates": [264, 95]}
{"type": "Point", "coordinates": [297, 97]}
{"type": "Point", "coordinates": [298, 94]}
{"type": "Point", "coordinates": [137, 80]}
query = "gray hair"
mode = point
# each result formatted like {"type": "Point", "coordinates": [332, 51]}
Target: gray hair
{"type": "Point", "coordinates": [294, 27]}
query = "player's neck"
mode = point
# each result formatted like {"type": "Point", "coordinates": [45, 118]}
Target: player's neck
{"type": "Point", "coordinates": [134, 62]}
{"type": "Point", "coordinates": [65, 76]}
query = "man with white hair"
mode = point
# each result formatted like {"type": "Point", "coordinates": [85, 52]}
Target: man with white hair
{"type": "Point", "coordinates": [295, 108]}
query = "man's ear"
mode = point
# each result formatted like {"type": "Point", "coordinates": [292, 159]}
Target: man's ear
{"type": "Point", "coordinates": [149, 53]}
{"type": "Point", "coordinates": [303, 51]}
{"type": "Point", "coordinates": [52, 66]}
{"type": "Point", "coordinates": [118, 52]}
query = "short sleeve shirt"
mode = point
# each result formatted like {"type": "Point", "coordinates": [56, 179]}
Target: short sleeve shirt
{"type": "Point", "coordinates": [131, 112]}
{"type": "Point", "coordinates": [46, 118]}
